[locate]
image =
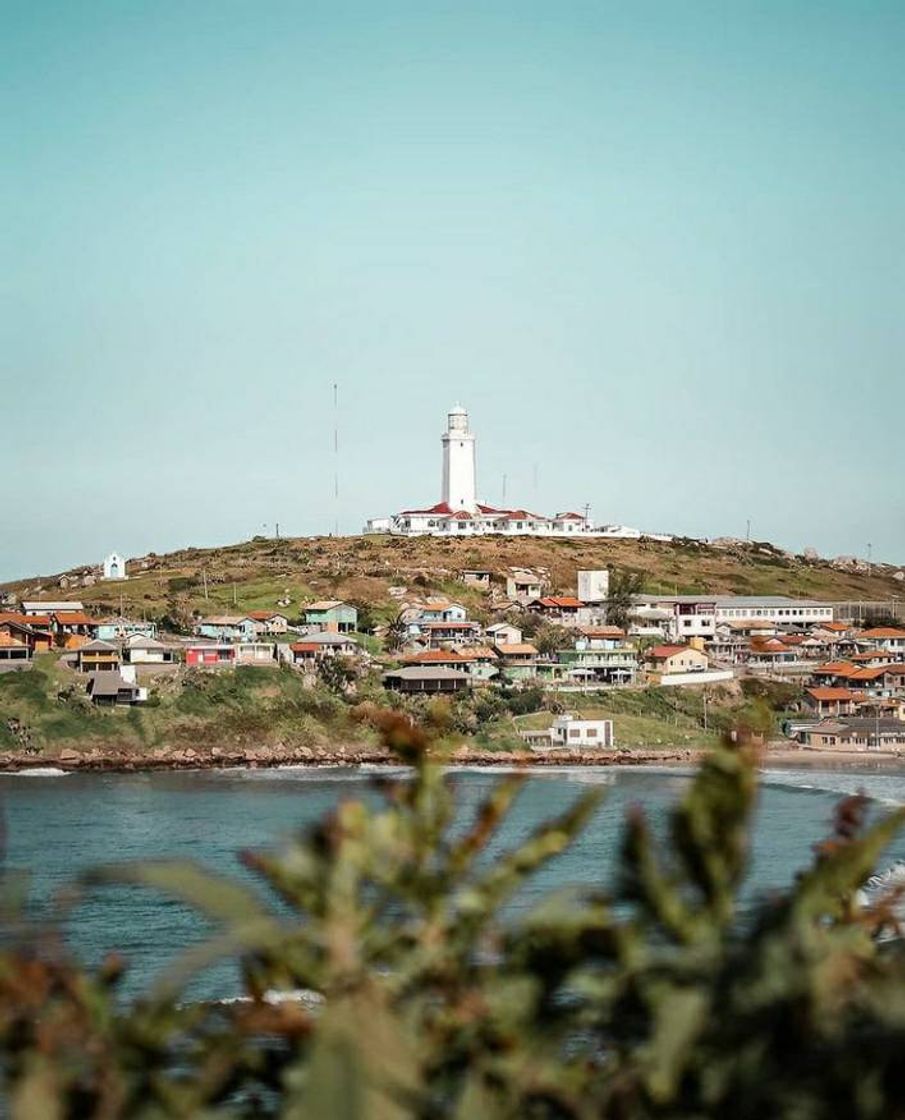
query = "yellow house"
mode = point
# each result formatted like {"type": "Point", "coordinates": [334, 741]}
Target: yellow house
{"type": "Point", "coordinates": [666, 660]}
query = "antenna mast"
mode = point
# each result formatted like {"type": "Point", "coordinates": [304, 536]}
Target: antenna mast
{"type": "Point", "coordinates": [335, 459]}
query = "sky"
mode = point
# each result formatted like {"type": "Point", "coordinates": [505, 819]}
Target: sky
{"type": "Point", "coordinates": [657, 250]}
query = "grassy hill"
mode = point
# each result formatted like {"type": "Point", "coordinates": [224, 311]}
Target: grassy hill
{"type": "Point", "coordinates": [257, 573]}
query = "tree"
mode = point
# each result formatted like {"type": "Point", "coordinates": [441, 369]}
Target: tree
{"type": "Point", "coordinates": [625, 585]}
{"type": "Point", "coordinates": [549, 637]}
{"type": "Point", "coordinates": [337, 673]}
{"type": "Point", "coordinates": [396, 634]}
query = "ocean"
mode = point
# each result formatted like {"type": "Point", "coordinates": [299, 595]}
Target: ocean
{"type": "Point", "coordinates": [58, 825]}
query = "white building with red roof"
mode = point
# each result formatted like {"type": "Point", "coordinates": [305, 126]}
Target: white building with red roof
{"type": "Point", "coordinates": [460, 514]}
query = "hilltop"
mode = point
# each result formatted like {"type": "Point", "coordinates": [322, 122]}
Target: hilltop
{"type": "Point", "coordinates": [263, 572]}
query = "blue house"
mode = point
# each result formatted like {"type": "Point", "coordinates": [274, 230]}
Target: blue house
{"type": "Point", "coordinates": [119, 628]}
{"type": "Point", "coordinates": [226, 628]}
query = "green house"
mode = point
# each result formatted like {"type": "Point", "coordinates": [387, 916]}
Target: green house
{"type": "Point", "coordinates": [332, 616]}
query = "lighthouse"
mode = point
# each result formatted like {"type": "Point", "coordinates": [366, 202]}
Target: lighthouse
{"type": "Point", "coordinates": [459, 483]}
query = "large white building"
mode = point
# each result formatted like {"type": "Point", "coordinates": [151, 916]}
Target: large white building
{"type": "Point", "coordinates": [460, 514]}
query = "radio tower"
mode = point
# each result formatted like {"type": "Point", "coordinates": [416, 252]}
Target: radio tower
{"type": "Point", "coordinates": [335, 459]}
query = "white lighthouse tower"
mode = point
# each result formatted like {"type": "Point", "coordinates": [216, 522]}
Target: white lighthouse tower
{"type": "Point", "coordinates": [459, 484]}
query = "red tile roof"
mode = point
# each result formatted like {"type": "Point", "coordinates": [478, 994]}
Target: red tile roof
{"type": "Point", "coordinates": [304, 647]}
{"type": "Point", "coordinates": [660, 653]}
{"type": "Point", "coordinates": [828, 694]}
{"type": "Point", "coordinates": [882, 632]}
{"type": "Point", "coordinates": [561, 601]}
{"type": "Point", "coordinates": [433, 657]}
{"type": "Point", "coordinates": [73, 618]}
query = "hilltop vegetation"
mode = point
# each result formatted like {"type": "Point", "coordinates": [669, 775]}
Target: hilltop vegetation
{"type": "Point", "coordinates": [257, 574]}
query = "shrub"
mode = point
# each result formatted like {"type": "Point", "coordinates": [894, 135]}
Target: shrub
{"type": "Point", "coordinates": [649, 1000]}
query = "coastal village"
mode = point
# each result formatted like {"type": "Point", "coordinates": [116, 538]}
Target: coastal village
{"type": "Point", "coordinates": [847, 677]}
{"type": "Point", "coordinates": [558, 653]}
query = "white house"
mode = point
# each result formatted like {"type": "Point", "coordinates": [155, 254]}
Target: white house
{"type": "Point", "coordinates": [569, 731]}
{"type": "Point", "coordinates": [504, 634]}
{"type": "Point", "coordinates": [115, 567]}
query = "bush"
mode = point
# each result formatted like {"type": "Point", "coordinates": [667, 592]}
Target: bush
{"type": "Point", "coordinates": [650, 1000]}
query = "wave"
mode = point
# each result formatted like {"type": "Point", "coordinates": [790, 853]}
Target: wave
{"type": "Point", "coordinates": [885, 788]}
{"type": "Point", "coordinates": [36, 772]}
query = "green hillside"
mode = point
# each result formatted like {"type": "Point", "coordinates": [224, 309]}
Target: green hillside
{"type": "Point", "coordinates": [260, 572]}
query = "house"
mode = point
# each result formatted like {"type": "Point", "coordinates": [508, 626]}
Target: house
{"type": "Point", "coordinates": [770, 653]}
{"type": "Point", "coordinates": [426, 679]}
{"type": "Point", "coordinates": [141, 650]}
{"type": "Point", "coordinates": [119, 628]}
{"type": "Point", "coordinates": [519, 659]}
{"type": "Point", "coordinates": [503, 633]}
{"type": "Point", "coordinates": [831, 701]}
{"type": "Point", "coordinates": [568, 731]}
{"type": "Point", "coordinates": [208, 655]}
{"type": "Point", "coordinates": [314, 647]}
{"type": "Point", "coordinates": [441, 610]}
{"type": "Point", "coordinates": [72, 629]}
{"type": "Point", "coordinates": [476, 577]}
{"type": "Point", "coordinates": [13, 654]}
{"type": "Point", "coordinates": [268, 622]}
{"type": "Point", "coordinates": [114, 567]}
{"type": "Point", "coordinates": [888, 638]}
{"type": "Point", "coordinates": [450, 633]}
{"type": "Point", "coordinates": [332, 616]}
{"type": "Point", "coordinates": [856, 733]}
{"type": "Point", "coordinates": [23, 630]}
{"type": "Point", "coordinates": [566, 610]}
{"type": "Point", "coordinates": [478, 661]}
{"type": "Point", "coordinates": [255, 653]}
{"type": "Point", "coordinates": [98, 656]}
{"type": "Point", "coordinates": [613, 664]}
{"type": "Point", "coordinates": [51, 606]}
{"type": "Point", "coordinates": [108, 688]}
{"type": "Point", "coordinates": [226, 628]}
{"type": "Point", "coordinates": [523, 587]}
{"type": "Point", "coordinates": [666, 660]}
{"type": "Point", "coordinates": [602, 637]}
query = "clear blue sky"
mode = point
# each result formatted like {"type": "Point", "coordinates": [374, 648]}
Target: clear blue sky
{"type": "Point", "coordinates": [658, 249]}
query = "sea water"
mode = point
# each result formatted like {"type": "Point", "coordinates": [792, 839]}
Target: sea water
{"type": "Point", "coordinates": [58, 825]}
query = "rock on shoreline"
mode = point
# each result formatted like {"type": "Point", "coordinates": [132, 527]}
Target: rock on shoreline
{"type": "Point", "coordinates": [269, 757]}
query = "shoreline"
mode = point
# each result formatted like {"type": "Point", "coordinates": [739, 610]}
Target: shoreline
{"type": "Point", "coordinates": [779, 755]}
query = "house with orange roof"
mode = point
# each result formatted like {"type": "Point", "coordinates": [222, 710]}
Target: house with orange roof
{"type": "Point", "coordinates": [770, 653]}
{"type": "Point", "coordinates": [72, 629]}
{"type": "Point", "coordinates": [664, 660]}
{"type": "Point", "coordinates": [17, 629]}
{"type": "Point", "coordinates": [565, 610]}
{"type": "Point", "coordinates": [268, 622]}
{"type": "Point", "coordinates": [826, 701]}
{"type": "Point", "coordinates": [887, 638]}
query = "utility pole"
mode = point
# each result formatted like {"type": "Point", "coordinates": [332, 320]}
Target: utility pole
{"type": "Point", "coordinates": [335, 459]}
{"type": "Point", "coordinates": [748, 531]}
{"type": "Point", "coordinates": [204, 580]}
{"type": "Point", "coordinates": [870, 552]}
{"type": "Point", "coordinates": [235, 597]}
{"type": "Point", "coordinates": [704, 696]}
{"type": "Point", "coordinates": [277, 527]}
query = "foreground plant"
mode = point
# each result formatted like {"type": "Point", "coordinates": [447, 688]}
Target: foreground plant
{"type": "Point", "coordinates": [656, 999]}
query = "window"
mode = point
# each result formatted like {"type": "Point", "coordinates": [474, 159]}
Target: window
{"type": "Point", "coordinates": [592, 733]}
{"type": "Point", "coordinates": [574, 733]}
